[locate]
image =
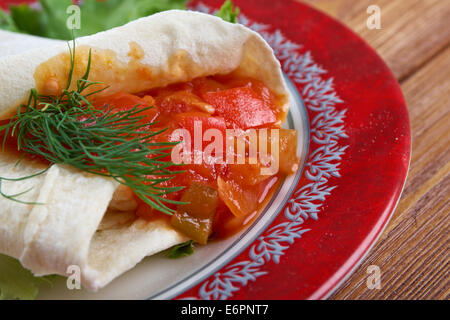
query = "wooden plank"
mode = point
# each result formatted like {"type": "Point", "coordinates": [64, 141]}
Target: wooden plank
{"type": "Point", "coordinates": [413, 251]}
{"type": "Point", "coordinates": [413, 256]}
{"type": "Point", "coordinates": [411, 33]}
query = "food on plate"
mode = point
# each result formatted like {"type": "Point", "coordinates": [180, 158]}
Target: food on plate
{"type": "Point", "coordinates": [160, 133]}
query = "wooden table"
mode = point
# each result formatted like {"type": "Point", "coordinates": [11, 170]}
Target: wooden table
{"type": "Point", "coordinates": [413, 251]}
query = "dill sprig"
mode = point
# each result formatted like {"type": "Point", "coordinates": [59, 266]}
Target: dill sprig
{"type": "Point", "coordinates": [67, 129]}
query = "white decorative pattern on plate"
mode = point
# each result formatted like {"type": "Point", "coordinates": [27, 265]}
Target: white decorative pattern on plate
{"type": "Point", "coordinates": [326, 128]}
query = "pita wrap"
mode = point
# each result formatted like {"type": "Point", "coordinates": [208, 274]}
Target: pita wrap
{"type": "Point", "coordinates": [69, 225]}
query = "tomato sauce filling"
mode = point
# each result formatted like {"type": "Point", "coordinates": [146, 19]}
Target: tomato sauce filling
{"type": "Point", "coordinates": [221, 198]}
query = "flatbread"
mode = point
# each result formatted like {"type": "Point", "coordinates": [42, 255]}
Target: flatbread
{"type": "Point", "coordinates": [168, 47]}
{"type": "Point", "coordinates": [17, 43]}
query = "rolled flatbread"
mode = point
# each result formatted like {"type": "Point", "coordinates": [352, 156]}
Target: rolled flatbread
{"type": "Point", "coordinates": [69, 225]}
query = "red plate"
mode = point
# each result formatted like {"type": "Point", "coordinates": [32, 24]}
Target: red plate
{"type": "Point", "coordinates": [356, 157]}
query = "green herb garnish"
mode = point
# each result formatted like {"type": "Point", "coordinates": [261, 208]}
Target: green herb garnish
{"type": "Point", "coordinates": [67, 129]}
{"type": "Point", "coordinates": [15, 197]}
{"type": "Point", "coordinates": [228, 12]}
{"type": "Point", "coordinates": [182, 250]}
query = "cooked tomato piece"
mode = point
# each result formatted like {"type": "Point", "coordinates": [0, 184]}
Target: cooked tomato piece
{"type": "Point", "coordinates": [206, 85]}
{"type": "Point", "coordinates": [241, 107]}
{"type": "Point", "coordinates": [241, 200]}
{"type": "Point", "coordinates": [181, 102]}
{"type": "Point", "coordinates": [195, 219]}
{"type": "Point", "coordinates": [210, 166]}
{"type": "Point", "coordinates": [260, 89]}
{"type": "Point", "coordinates": [204, 122]}
{"type": "Point", "coordinates": [264, 93]}
{"type": "Point", "coordinates": [287, 145]}
{"type": "Point", "coordinates": [187, 121]}
{"type": "Point", "coordinates": [289, 161]}
{"type": "Point", "coordinates": [246, 173]}
{"type": "Point", "coordinates": [145, 211]}
{"type": "Point", "coordinates": [148, 213]}
{"type": "Point", "coordinates": [124, 101]}
{"type": "Point", "coordinates": [225, 223]}
{"type": "Point", "coordinates": [206, 173]}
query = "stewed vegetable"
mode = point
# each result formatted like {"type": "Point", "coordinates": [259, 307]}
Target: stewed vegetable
{"type": "Point", "coordinates": [196, 217]}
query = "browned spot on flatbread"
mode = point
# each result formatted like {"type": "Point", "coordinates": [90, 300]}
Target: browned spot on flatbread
{"type": "Point", "coordinates": [136, 52]}
{"type": "Point", "coordinates": [116, 75]}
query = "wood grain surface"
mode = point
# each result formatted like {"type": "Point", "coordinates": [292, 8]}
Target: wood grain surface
{"type": "Point", "coordinates": [413, 252]}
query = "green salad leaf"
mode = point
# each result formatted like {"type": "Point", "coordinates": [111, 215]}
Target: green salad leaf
{"type": "Point", "coordinates": [48, 22]}
{"type": "Point", "coordinates": [228, 12]}
{"type": "Point", "coordinates": [50, 19]}
{"type": "Point", "coordinates": [6, 22]}
{"type": "Point", "coordinates": [182, 250]}
{"type": "Point", "coordinates": [16, 282]}
{"type": "Point", "coordinates": [103, 15]}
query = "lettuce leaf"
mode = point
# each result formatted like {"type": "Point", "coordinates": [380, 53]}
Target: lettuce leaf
{"type": "Point", "coordinates": [181, 250]}
{"type": "Point", "coordinates": [16, 282]}
{"type": "Point", "coordinates": [6, 22]}
{"type": "Point", "coordinates": [103, 15]}
{"type": "Point", "coordinates": [50, 19]}
{"type": "Point", "coordinates": [228, 12]}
